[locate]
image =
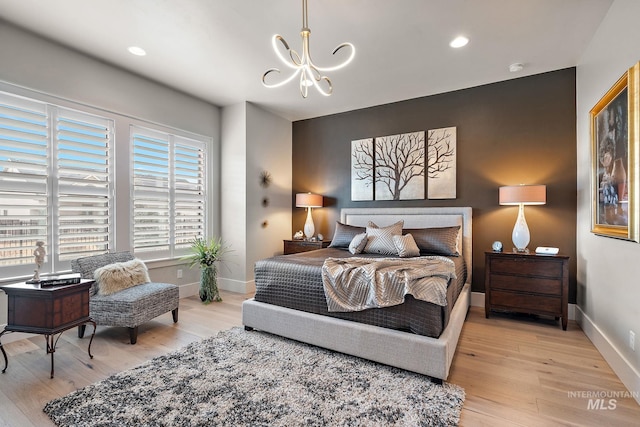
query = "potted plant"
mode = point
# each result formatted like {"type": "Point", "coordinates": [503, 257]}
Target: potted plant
{"type": "Point", "coordinates": [206, 254]}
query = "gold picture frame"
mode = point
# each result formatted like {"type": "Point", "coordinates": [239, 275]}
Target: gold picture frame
{"type": "Point", "coordinates": [615, 126]}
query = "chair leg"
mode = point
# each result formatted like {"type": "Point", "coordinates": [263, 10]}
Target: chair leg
{"type": "Point", "coordinates": [133, 334]}
{"type": "Point", "coordinates": [174, 313]}
{"type": "Point", "coordinates": [81, 329]}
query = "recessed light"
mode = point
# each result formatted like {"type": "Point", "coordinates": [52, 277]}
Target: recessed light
{"type": "Point", "coordinates": [459, 42]}
{"type": "Point", "coordinates": [516, 67]}
{"type": "Point", "coordinates": [138, 51]}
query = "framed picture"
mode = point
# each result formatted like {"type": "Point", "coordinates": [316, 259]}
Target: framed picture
{"type": "Point", "coordinates": [614, 138]}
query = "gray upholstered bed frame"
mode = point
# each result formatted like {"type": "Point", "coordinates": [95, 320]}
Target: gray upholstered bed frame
{"type": "Point", "coordinates": [428, 356]}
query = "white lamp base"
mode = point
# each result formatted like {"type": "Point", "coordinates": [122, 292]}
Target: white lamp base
{"type": "Point", "coordinates": [520, 235]}
{"type": "Point", "coordinates": [309, 228]}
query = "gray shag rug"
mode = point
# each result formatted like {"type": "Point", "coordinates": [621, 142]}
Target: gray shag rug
{"type": "Point", "coordinates": [240, 378]}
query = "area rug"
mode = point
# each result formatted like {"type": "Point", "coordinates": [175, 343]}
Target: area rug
{"type": "Point", "coordinates": [241, 378]}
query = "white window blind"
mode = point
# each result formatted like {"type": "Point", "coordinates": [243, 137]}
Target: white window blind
{"type": "Point", "coordinates": [169, 196]}
{"type": "Point", "coordinates": [24, 210]}
{"type": "Point", "coordinates": [56, 183]}
{"type": "Point", "coordinates": [84, 190]}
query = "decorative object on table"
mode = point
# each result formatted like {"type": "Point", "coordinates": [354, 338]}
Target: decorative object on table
{"type": "Point", "coordinates": [441, 163]}
{"type": "Point", "coordinates": [615, 123]}
{"type": "Point", "coordinates": [298, 235]}
{"type": "Point", "coordinates": [497, 246]}
{"type": "Point", "coordinates": [265, 179]}
{"type": "Point", "coordinates": [206, 255]}
{"type": "Point", "coordinates": [213, 378]}
{"type": "Point", "coordinates": [320, 237]}
{"type": "Point", "coordinates": [39, 254]}
{"type": "Point", "coordinates": [521, 195]}
{"type": "Point", "coordinates": [308, 200]}
{"type": "Point", "coordinates": [309, 73]}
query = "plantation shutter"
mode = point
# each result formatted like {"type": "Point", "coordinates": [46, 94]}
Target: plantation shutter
{"type": "Point", "coordinates": [151, 193]}
{"type": "Point", "coordinates": [169, 193]}
{"type": "Point", "coordinates": [84, 191]}
{"type": "Point", "coordinates": [189, 212]}
{"type": "Point", "coordinates": [24, 149]}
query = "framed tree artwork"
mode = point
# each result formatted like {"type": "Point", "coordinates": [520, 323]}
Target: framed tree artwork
{"type": "Point", "coordinates": [615, 125]}
{"type": "Point", "coordinates": [362, 153]}
{"type": "Point", "coordinates": [399, 166]}
{"type": "Point", "coordinates": [441, 163]}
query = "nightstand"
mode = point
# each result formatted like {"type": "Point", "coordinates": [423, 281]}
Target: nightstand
{"type": "Point", "coordinates": [527, 283]}
{"type": "Point", "coordinates": [296, 246]}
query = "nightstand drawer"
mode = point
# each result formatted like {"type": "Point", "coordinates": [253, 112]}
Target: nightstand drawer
{"type": "Point", "coordinates": [527, 284]}
{"type": "Point", "coordinates": [530, 267]}
{"type": "Point", "coordinates": [526, 303]}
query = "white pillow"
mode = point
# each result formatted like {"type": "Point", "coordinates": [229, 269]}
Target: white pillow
{"type": "Point", "coordinates": [380, 239]}
{"type": "Point", "coordinates": [406, 246]}
{"type": "Point", "coordinates": [358, 243]}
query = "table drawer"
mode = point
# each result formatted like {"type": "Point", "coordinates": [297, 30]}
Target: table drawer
{"type": "Point", "coordinates": [546, 286]}
{"type": "Point", "coordinates": [526, 303]}
{"type": "Point", "coordinates": [529, 267]}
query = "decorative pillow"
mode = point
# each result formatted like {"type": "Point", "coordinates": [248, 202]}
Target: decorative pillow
{"type": "Point", "coordinates": [358, 243]}
{"type": "Point", "coordinates": [380, 239]}
{"type": "Point", "coordinates": [437, 240]}
{"type": "Point", "coordinates": [344, 234]}
{"type": "Point", "coordinates": [120, 275]}
{"type": "Point", "coordinates": [406, 246]}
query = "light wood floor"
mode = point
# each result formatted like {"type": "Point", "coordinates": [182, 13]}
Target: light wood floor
{"type": "Point", "coordinates": [516, 371]}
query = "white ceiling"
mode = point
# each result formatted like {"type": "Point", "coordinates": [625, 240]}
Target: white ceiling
{"type": "Point", "coordinates": [218, 50]}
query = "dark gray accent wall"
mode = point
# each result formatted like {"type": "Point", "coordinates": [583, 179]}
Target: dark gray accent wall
{"type": "Point", "coordinates": [520, 131]}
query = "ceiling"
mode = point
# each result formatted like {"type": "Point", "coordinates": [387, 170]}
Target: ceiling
{"type": "Point", "coordinates": [217, 50]}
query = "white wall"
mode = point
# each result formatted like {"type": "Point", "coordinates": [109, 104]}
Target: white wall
{"type": "Point", "coordinates": [253, 141]}
{"type": "Point", "coordinates": [608, 296]}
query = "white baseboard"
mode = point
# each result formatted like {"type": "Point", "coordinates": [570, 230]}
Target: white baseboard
{"type": "Point", "coordinates": [629, 376]}
{"type": "Point", "coordinates": [237, 285]}
{"type": "Point", "coordinates": [477, 300]}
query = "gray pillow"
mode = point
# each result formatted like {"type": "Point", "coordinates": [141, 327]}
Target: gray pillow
{"type": "Point", "coordinates": [437, 240]}
{"type": "Point", "coordinates": [344, 234]}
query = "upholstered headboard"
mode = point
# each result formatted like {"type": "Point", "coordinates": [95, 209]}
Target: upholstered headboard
{"type": "Point", "coordinates": [420, 217]}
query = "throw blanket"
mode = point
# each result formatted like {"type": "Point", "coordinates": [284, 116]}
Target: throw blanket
{"type": "Point", "coordinates": [356, 284]}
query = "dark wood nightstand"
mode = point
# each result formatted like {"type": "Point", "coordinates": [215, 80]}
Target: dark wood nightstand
{"type": "Point", "coordinates": [527, 283]}
{"type": "Point", "coordinates": [296, 246]}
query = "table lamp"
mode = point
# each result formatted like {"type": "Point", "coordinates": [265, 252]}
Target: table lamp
{"type": "Point", "coordinates": [522, 195]}
{"type": "Point", "coordinates": [308, 200]}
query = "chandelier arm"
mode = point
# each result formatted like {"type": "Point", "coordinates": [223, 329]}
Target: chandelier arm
{"type": "Point", "coordinates": [282, 83]}
{"type": "Point", "coordinates": [291, 64]}
{"type": "Point", "coordinates": [345, 62]}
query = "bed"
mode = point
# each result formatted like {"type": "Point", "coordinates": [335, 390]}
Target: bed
{"type": "Point", "coordinates": [418, 353]}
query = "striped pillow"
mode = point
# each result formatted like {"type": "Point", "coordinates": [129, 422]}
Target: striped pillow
{"type": "Point", "coordinates": [406, 246]}
{"type": "Point", "coordinates": [380, 239]}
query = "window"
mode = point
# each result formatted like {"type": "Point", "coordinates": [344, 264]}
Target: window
{"type": "Point", "coordinates": [169, 197]}
{"type": "Point", "coordinates": [56, 184]}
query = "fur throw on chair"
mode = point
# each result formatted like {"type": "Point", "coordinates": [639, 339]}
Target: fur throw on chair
{"type": "Point", "coordinates": [118, 276]}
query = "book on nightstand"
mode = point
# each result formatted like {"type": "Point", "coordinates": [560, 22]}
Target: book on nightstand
{"type": "Point", "coordinates": [61, 279]}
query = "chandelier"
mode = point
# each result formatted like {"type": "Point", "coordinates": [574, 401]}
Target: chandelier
{"type": "Point", "coordinates": [309, 73]}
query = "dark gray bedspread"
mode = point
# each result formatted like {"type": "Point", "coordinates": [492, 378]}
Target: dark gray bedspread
{"type": "Point", "coordinates": [295, 281]}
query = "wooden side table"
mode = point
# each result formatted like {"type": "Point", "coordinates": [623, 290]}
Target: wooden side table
{"type": "Point", "coordinates": [527, 283]}
{"type": "Point", "coordinates": [296, 246]}
{"type": "Point", "coordinates": [47, 311]}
